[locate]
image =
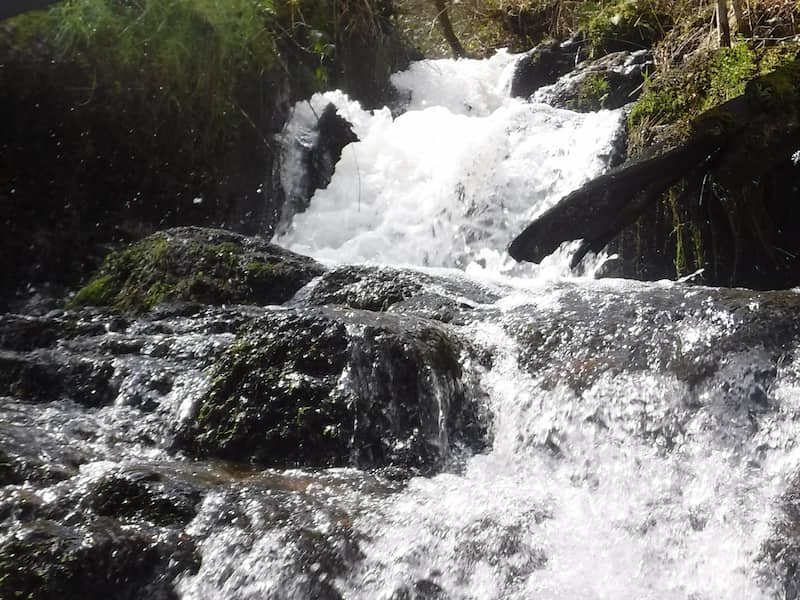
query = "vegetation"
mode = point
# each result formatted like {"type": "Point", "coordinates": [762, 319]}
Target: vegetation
{"type": "Point", "coordinates": [196, 265]}
{"type": "Point", "coordinates": [136, 115]}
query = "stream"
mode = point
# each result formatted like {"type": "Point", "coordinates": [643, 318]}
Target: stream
{"type": "Point", "coordinates": [598, 438]}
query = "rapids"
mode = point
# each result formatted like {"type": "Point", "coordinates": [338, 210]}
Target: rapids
{"type": "Point", "coordinates": [606, 511]}
{"type": "Point", "coordinates": [642, 436]}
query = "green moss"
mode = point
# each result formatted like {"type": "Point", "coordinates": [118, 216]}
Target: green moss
{"type": "Point", "coordinates": [678, 96]}
{"type": "Point", "coordinates": [592, 93]}
{"type": "Point", "coordinates": [98, 292]}
{"type": "Point", "coordinates": [195, 265]}
{"type": "Point", "coordinates": [729, 71]}
{"type": "Point", "coordinates": [623, 25]}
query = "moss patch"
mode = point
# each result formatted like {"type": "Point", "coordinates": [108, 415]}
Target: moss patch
{"type": "Point", "coordinates": [196, 265]}
{"type": "Point", "coordinates": [624, 25]}
{"type": "Point", "coordinates": [673, 98]}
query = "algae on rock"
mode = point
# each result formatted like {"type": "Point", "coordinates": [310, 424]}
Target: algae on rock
{"type": "Point", "coordinates": [329, 386]}
{"type": "Point", "coordinates": [191, 264]}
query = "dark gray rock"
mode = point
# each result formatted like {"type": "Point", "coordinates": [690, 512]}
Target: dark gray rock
{"type": "Point", "coordinates": [332, 387]}
{"type": "Point", "coordinates": [44, 376]}
{"type": "Point", "coordinates": [609, 82]}
{"type": "Point", "coordinates": [543, 65]}
{"type": "Point", "coordinates": [400, 290]}
{"type": "Point", "coordinates": [44, 560]}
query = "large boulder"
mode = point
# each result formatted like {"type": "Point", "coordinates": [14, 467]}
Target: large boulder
{"type": "Point", "coordinates": [336, 387]}
{"type": "Point", "coordinates": [209, 266]}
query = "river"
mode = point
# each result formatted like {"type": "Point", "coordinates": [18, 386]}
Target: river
{"type": "Point", "coordinates": [642, 440]}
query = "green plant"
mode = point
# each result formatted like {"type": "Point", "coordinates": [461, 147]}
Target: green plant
{"type": "Point", "coordinates": [623, 24]}
{"type": "Point", "coordinates": [729, 70]}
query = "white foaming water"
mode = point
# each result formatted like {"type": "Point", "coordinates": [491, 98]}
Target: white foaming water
{"type": "Point", "coordinates": [451, 180]}
{"type": "Point", "coordinates": [575, 500]}
{"type": "Point", "coordinates": [580, 497]}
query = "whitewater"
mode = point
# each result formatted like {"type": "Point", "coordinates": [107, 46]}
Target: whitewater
{"type": "Point", "coordinates": [582, 495]}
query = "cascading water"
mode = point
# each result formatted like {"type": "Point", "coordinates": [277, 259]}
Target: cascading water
{"type": "Point", "coordinates": [582, 439]}
{"type": "Point", "coordinates": [635, 484]}
{"type": "Point", "coordinates": [452, 179]}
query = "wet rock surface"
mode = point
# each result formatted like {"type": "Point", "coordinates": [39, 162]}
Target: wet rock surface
{"type": "Point", "coordinates": [335, 387]}
{"type": "Point", "coordinates": [543, 65]}
{"type": "Point", "coordinates": [403, 291]}
{"type": "Point", "coordinates": [690, 335]}
{"type": "Point", "coordinates": [246, 451]}
{"type": "Point", "coordinates": [609, 83]}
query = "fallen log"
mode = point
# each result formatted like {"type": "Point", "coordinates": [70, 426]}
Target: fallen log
{"type": "Point", "coordinates": [735, 142]}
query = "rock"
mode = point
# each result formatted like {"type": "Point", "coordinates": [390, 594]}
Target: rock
{"type": "Point", "coordinates": [145, 493]}
{"type": "Point", "coordinates": [312, 144]}
{"type": "Point", "coordinates": [290, 542]}
{"type": "Point", "coordinates": [24, 332]}
{"type": "Point", "coordinates": [400, 290]}
{"type": "Point", "coordinates": [192, 264]}
{"type": "Point", "coordinates": [782, 548]}
{"type": "Point", "coordinates": [542, 66]}
{"type": "Point", "coordinates": [28, 455]}
{"type": "Point", "coordinates": [335, 387]}
{"type": "Point", "coordinates": [333, 134]}
{"type": "Point", "coordinates": [367, 288]}
{"type": "Point", "coordinates": [610, 82]}
{"type": "Point", "coordinates": [43, 560]}
{"type": "Point", "coordinates": [44, 376]}
{"type": "Point", "coordinates": [424, 589]}
{"type": "Point", "coordinates": [588, 337]}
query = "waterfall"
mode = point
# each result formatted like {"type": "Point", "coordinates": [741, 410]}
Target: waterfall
{"type": "Point", "coordinates": [452, 179]}
{"type": "Point", "coordinates": [635, 484]}
{"type": "Point", "coordinates": [424, 419]}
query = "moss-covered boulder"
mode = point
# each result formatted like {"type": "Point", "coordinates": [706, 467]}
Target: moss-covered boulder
{"type": "Point", "coordinates": [192, 264]}
{"type": "Point", "coordinates": [336, 387]}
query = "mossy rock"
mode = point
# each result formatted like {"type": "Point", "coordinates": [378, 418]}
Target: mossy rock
{"type": "Point", "coordinates": [339, 387]}
{"type": "Point", "coordinates": [192, 264]}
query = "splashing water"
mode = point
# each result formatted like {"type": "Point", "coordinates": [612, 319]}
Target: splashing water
{"type": "Point", "coordinates": [450, 181]}
{"type": "Point", "coordinates": [637, 486]}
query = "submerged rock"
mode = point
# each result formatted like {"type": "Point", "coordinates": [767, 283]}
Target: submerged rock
{"type": "Point", "coordinates": [691, 335]}
{"type": "Point", "coordinates": [192, 264]}
{"type": "Point", "coordinates": [333, 387]}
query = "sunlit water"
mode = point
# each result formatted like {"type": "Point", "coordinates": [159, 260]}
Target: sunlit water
{"type": "Point", "coordinates": [583, 495]}
{"type": "Point", "coordinates": [450, 181]}
{"type": "Point", "coordinates": [611, 474]}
